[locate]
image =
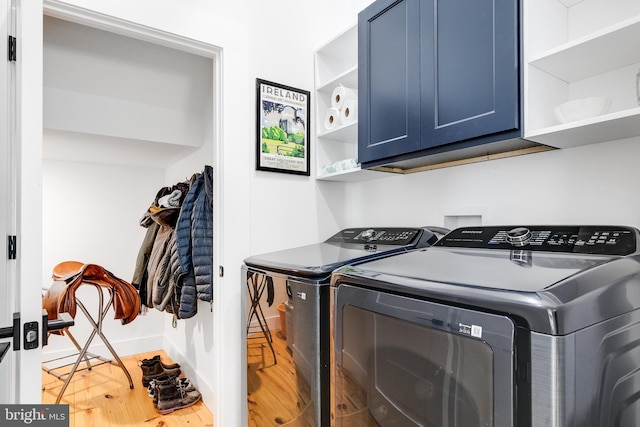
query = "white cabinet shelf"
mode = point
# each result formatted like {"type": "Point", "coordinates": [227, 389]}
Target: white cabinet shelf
{"type": "Point", "coordinates": [608, 127]}
{"type": "Point", "coordinates": [348, 78]}
{"type": "Point", "coordinates": [343, 133]}
{"type": "Point", "coordinates": [336, 63]}
{"type": "Point", "coordinates": [613, 47]}
{"type": "Point", "coordinates": [336, 57]}
{"type": "Point", "coordinates": [351, 175]}
{"type": "Point", "coordinates": [578, 50]}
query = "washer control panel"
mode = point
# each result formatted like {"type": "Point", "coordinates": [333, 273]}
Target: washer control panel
{"type": "Point", "coordinates": [381, 236]}
{"type": "Point", "coordinates": [605, 240]}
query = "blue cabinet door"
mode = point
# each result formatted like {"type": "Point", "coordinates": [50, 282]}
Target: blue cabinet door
{"type": "Point", "coordinates": [436, 76]}
{"type": "Point", "coordinates": [469, 69]}
{"type": "Point", "coordinates": [388, 79]}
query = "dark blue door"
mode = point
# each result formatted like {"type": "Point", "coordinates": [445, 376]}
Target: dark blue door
{"type": "Point", "coordinates": [469, 69]}
{"type": "Point", "coordinates": [388, 79]}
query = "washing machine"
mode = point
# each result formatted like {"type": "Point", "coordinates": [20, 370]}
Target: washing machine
{"type": "Point", "coordinates": [492, 326]}
{"type": "Point", "coordinates": [302, 397]}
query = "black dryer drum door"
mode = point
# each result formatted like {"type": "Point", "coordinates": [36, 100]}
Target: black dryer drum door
{"type": "Point", "coordinates": [402, 361]}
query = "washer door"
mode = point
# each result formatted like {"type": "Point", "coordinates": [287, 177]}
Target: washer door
{"type": "Point", "coordinates": [401, 361]}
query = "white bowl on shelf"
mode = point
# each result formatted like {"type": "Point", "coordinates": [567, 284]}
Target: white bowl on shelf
{"type": "Point", "coordinates": [580, 109]}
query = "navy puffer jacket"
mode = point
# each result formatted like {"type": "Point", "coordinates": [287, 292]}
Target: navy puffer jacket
{"type": "Point", "coordinates": [194, 233]}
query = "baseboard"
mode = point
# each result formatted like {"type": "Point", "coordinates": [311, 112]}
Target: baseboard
{"type": "Point", "coordinates": [272, 321]}
{"type": "Point", "coordinates": [202, 383]}
{"type": "Point", "coordinates": [123, 348]}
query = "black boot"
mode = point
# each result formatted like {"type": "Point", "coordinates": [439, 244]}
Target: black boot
{"type": "Point", "coordinates": [151, 388]}
{"type": "Point", "coordinates": [154, 370]}
{"type": "Point", "coordinates": [173, 396]}
{"type": "Point", "coordinates": [156, 358]}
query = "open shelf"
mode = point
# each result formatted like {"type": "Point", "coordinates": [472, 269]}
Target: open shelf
{"type": "Point", "coordinates": [608, 127]}
{"type": "Point", "coordinates": [336, 63]}
{"type": "Point", "coordinates": [610, 48]}
{"type": "Point", "coordinates": [580, 49]}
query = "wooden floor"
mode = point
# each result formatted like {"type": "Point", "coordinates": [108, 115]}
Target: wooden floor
{"type": "Point", "coordinates": [102, 398]}
{"type": "Point", "coordinates": [277, 394]}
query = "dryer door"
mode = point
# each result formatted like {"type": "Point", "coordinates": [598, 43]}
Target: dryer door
{"type": "Point", "coordinates": [402, 361]}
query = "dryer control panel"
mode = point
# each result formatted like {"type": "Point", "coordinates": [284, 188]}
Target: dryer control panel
{"type": "Point", "coordinates": [381, 236]}
{"type": "Point", "coordinates": [601, 240]}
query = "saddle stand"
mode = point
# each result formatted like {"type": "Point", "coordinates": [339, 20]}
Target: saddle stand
{"type": "Point", "coordinates": [256, 285]}
{"type": "Point", "coordinates": [83, 354]}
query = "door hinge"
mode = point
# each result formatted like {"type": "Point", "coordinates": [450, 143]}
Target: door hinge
{"type": "Point", "coordinates": [12, 247]}
{"type": "Point", "coordinates": [221, 271]}
{"type": "Point", "coordinates": [12, 49]}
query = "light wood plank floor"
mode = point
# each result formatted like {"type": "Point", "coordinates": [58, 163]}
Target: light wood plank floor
{"type": "Point", "coordinates": [102, 398]}
{"type": "Point", "coordinates": [278, 394]}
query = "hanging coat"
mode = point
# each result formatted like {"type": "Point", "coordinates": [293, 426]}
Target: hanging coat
{"type": "Point", "coordinates": [194, 233]}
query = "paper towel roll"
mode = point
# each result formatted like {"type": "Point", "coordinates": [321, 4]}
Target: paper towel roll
{"type": "Point", "coordinates": [349, 112]}
{"type": "Point", "coordinates": [331, 118]}
{"type": "Point", "coordinates": [341, 94]}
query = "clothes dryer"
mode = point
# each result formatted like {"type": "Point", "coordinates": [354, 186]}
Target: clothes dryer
{"type": "Point", "coordinates": [492, 326]}
{"type": "Point", "coordinates": [305, 272]}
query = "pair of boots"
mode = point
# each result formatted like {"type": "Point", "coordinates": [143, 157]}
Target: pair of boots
{"type": "Point", "coordinates": [154, 368]}
{"type": "Point", "coordinates": [169, 392]}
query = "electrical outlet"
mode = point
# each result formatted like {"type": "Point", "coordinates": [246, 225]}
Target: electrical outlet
{"type": "Point", "coordinates": [31, 335]}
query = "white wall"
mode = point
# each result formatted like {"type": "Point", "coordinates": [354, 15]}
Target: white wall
{"type": "Point", "coordinates": [593, 184]}
{"type": "Point", "coordinates": [90, 214]}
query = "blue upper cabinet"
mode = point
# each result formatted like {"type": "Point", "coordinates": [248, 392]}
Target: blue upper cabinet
{"type": "Point", "coordinates": [388, 79]}
{"type": "Point", "coordinates": [439, 80]}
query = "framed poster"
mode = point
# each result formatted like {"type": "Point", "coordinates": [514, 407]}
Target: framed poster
{"type": "Point", "coordinates": [283, 129]}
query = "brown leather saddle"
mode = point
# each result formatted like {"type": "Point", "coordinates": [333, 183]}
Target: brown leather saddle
{"type": "Point", "coordinates": [69, 275]}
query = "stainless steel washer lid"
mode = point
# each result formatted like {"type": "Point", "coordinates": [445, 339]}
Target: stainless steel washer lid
{"type": "Point", "coordinates": [349, 246]}
{"type": "Point", "coordinates": [551, 292]}
{"type": "Point", "coordinates": [497, 269]}
{"type": "Point", "coordinates": [316, 260]}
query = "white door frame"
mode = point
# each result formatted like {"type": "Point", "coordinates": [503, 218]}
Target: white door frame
{"type": "Point", "coordinates": [8, 389]}
{"type": "Point", "coordinates": [29, 118]}
{"type": "Point", "coordinates": [61, 10]}
{"type": "Point", "coordinates": [25, 197]}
